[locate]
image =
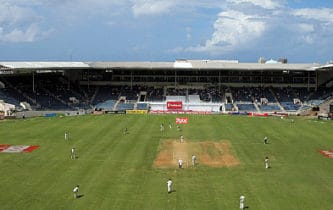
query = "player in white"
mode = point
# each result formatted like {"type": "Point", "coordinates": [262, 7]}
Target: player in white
{"type": "Point", "coordinates": [125, 131]}
{"type": "Point", "coordinates": [180, 163]}
{"type": "Point", "coordinates": [181, 138]}
{"type": "Point", "coordinates": [66, 135]}
{"type": "Point", "coordinates": [241, 201]}
{"type": "Point", "coordinates": [73, 156]}
{"type": "Point", "coordinates": [178, 128]}
{"type": "Point", "coordinates": [265, 140]}
{"type": "Point", "coordinates": [162, 127]}
{"type": "Point", "coordinates": [76, 191]}
{"type": "Point", "coordinates": [266, 162]}
{"type": "Point", "coordinates": [194, 159]}
{"type": "Point", "coordinates": [170, 126]}
{"type": "Point", "coordinates": [169, 184]}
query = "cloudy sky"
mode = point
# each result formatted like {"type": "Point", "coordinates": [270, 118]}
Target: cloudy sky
{"type": "Point", "coordinates": [165, 30]}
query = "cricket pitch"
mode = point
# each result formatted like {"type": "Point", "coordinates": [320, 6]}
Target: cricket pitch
{"type": "Point", "coordinates": [208, 153]}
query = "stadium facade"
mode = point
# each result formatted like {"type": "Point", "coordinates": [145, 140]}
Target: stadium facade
{"type": "Point", "coordinates": [199, 85]}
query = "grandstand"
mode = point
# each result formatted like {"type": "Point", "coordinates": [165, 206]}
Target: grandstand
{"type": "Point", "coordinates": [214, 86]}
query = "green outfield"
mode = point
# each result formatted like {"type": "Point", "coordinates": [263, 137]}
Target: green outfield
{"type": "Point", "coordinates": [117, 171]}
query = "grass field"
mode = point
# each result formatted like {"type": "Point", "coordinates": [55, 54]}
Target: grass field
{"type": "Point", "coordinates": [115, 171]}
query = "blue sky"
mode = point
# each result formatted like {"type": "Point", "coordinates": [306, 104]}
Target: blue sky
{"type": "Point", "coordinates": [166, 30]}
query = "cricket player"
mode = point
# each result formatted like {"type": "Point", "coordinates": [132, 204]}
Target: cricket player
{"type": "Point", "coordinates": [125, 131]}
{"type": "Point", "coordinates": [194, 159]}
{"type": "Point", "coordinates": [181, 138]}
{"type": "Point", "coordinates": [169, 184]}
{"type": "Point", "coordinates": [66, 135]}
{"type": "Point", "coordinates": [266, 162]}
{"type": "Point", "coordinates": [178, 128]}
{"type": "Point", "coordinates": [265, 140]}
{"type": "Point", "coordinates": [76, 191]}
{"type": "Point", "coordinates": [241, 201]}
{"type": "Point", "coordinates": [73, 153]}
{"type": "Point", "coordinates": [180, 163]}
{"type": "Point", "coordinates": [162, 127]}
{"type": "Point", "coordinates": [170, 126]}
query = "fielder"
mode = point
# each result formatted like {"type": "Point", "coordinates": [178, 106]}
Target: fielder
{"type": "Point", "coordinates": [194, 159]}
{"type": "Point", "coordinates": [73, 156]}
{"type": "Point", "coordinates": [180, 163]}
{"type": "Point", "coordinates": [266, 163]}
{"type": "Point", "coordinates": [76, 191]}
{"type": "Point", "coordinates": [66, 136]}
{"type": "Point", "coordinates": [125, 131]}
{"type": "Point", "coordinates": [241, 201]}
{"type": "Point", "coordinates": [169, 184]}
{"type": "Point", "coordinates": [181, 139]}
{"type": "Point", "coordinates": [170, 126]}
{"type": "Point", "coordinates": [162, 127]}
{"type": "Point", "coordinates": [265, 140]}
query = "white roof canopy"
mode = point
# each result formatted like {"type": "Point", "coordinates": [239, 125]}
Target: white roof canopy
{"type": "Point", "coordinates": [178, 64]}
{"type": "Point", "coordinates": [43, 65]}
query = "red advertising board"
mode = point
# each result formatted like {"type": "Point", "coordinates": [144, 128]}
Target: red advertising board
{"type": "Point", "coordinates": [175, 105]}
{"type": "Point", "coordinates": [181, 120]}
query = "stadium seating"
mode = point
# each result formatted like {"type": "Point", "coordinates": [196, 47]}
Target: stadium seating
{"type": "Point", "coordinates": [7, 98]}
{"type": "Point", "coordinates": [107, 105]}
{"type": "Point", "coordinates": [269, 107]}
{"type": "Point", "coordinates": [242, 94]}
{"type": "Point", "coordinates": [263, 92]}
{"type": "Point", "coordinates": [246, 107]}
{"type": "Point", "coordinates": [124, 106]}
{"type": "Point", "coordinates": [284, 94]}
{"type": "Point", "coordinates": [155, 94]}
{"type": "Point", "coordinates": [321, 94]}
{"type": "Point", "coordinates": [105, 93]}
{"type": "Point", "coordinates": [56, 92]}
{"type": "Point", "coordinates": [290, 106]}
{"type": "Point", "coordinates": [228, 107]}
{"type": "Point", "coordinates": [142, 106]}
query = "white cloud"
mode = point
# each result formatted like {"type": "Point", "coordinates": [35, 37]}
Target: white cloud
{"type": "Point", "coordinates": [266, 4]}
{"type": "Point", "coordinates": [160, 7]}
{"type": "Point", "coordinates": [316, 25]}
{"type": "Point", "coordinates": [323, 14]}
{"type": "Point", "coordinates": [188, 32]}
{"type": "Point", "coordinates": [18, 35]}
{"type": "Point", "coordinates": [19, 23]}
{"type": "Point", "coordinates": [304, 27]}
{"type": "Point", "coordinates": [13, 14]}
{"type": "Point", "coordinates": [273, 25]}
{"type": "Point", "coordinates": [152, 7]}
{"type": "Point", "coordinates": [307, 39]}
{"type": "Point", "coordinates": [232, 29]}
{"type": "Point", "coordinates": [241, 24]}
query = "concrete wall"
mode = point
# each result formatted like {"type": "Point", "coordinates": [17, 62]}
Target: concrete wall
{"type": "Point", "coordinates": [44, 113]}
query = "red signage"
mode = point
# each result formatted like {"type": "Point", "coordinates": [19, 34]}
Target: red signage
{"type": "Point", "coordinates": [181, 120]}
{"type": "Point", "coordinates": [175, 105]}
{"type": "Point", "coordinates": [327, 153]}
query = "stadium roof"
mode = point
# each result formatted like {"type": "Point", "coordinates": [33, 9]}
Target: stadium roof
{"type": "Point", "coordinates": [178, 64]}
{"type": "Point", "coordinates": [130, 65]}
{"type": "Point", "coordinates": [42, 65]}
